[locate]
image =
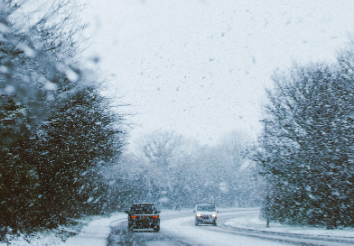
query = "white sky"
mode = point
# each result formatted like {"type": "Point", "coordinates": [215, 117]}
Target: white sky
{"type": "Point", "coordinates": [200, 67]}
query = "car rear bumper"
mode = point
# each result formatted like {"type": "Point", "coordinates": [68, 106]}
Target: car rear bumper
{"type": "Point", "coordinates": [143, 224]}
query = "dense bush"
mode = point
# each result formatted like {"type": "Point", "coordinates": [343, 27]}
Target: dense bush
{"type": "Point", "coordinates": [57, 133]}
{"type": "Point", "coordinates": [306, 150]}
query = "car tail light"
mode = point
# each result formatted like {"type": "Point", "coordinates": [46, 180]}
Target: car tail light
{"type": "Point", "coordinates": [155, 216]}
{"type": "Point", "coordinates": [133, 217]}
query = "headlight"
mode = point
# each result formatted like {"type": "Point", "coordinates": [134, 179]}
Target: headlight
{"type": "Point", "coordinates": [214, 215]}
{"type": "Point", "coordinates": [198, 215]}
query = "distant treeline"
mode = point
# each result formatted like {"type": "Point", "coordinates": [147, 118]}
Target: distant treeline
{"type": "Point", "coordinates": [174, 172]}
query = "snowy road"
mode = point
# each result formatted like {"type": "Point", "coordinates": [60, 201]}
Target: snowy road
{"type": "Point", "coordinates": [177, 228]}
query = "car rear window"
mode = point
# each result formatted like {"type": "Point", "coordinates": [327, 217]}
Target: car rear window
{"type": "Point", "coordinates": [142, 209]}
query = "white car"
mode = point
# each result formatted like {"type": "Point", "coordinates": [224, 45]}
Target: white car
{"type": "Point", "coordinates": [205, 214]}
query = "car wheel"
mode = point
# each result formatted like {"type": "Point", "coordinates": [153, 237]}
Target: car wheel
{"type": "Point", "coordinates": [130, 228]}
{"type": "Point", "coordinates": [157, 229]}
{"type": "Point", "coordinates": [215, 224]}
{"type": "Point", "coordinates": [196, 223]}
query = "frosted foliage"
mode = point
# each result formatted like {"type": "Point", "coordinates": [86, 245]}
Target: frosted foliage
{"type": "Point", "coordinates": [307, 145]}
{"type": "Point", "coordinates": [36, 57]}
{"type": "Point", "coordinates": [58, 134]}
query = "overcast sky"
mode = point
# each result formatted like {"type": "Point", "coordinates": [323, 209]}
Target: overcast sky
{"type": "Point", "coordinates": [200, 67]}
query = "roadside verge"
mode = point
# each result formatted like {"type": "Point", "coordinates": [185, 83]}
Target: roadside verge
{"type": "Point", "coordinates": [253, 222]}
{"type": "Point", "coordinates": [95, 233]}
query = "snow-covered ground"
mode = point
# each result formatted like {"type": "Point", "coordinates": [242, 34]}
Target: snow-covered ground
{"type": "Point", "coordinates": [252, 221]}
{"type": "Point", "coordinates": [95, 233]}
{"type": "Point", "coordinates": [98, 228]}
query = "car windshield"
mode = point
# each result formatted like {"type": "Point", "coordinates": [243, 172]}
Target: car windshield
{"type": "Point", "coordinates": [206, 208]}
{"type": "Point", "coordinates": [142, 209]}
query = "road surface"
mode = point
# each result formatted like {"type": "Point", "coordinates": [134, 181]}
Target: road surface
{"type": "Point", "coordinates": [178, 228]}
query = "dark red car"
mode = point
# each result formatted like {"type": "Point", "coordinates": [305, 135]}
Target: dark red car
{"type": "Point", "coordinates": [143, 216]}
